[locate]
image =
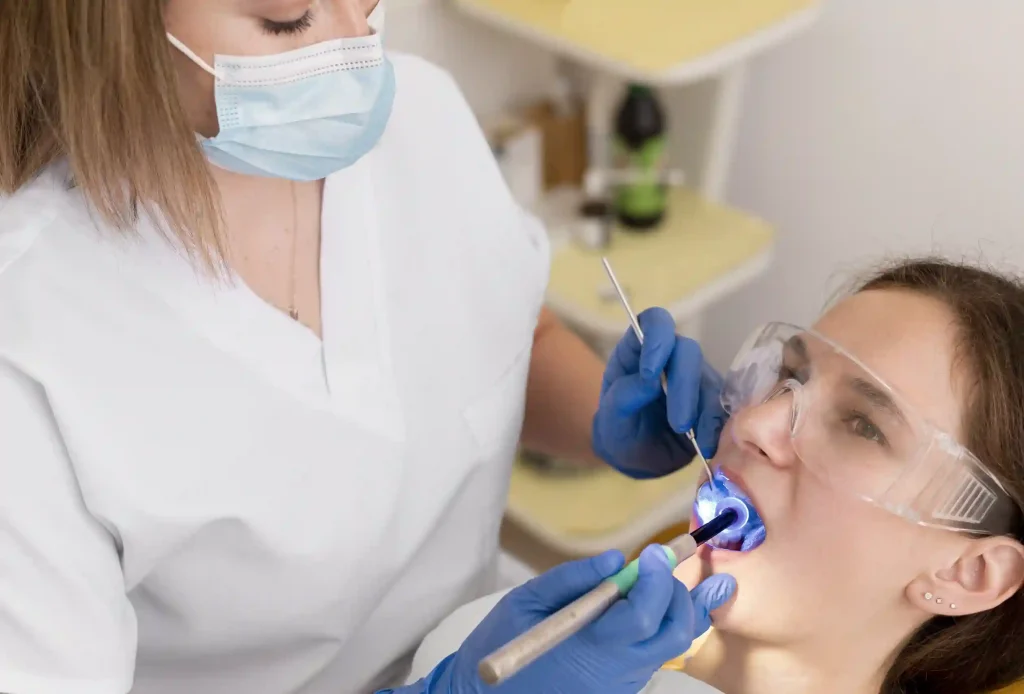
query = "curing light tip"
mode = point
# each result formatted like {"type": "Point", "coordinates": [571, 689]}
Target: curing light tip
{"type": "Point", "coordinates": [719, 496]}
{"type": "Point", "coordinates": [715, 526]}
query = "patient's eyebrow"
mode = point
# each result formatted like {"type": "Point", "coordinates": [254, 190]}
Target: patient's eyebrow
{"type": "Point", "coordinates": [878, 396]}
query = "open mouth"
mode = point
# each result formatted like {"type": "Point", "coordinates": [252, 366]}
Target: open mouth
{"type": "Point", "coordinates": [725, 492]}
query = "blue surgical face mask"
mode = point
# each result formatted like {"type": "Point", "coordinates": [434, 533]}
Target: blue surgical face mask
{"type": "Point", "coordinates": [304, 114]}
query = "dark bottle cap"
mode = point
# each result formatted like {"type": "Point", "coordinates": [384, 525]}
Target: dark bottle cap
{"type": "Point", "coordinates": [640, 117]}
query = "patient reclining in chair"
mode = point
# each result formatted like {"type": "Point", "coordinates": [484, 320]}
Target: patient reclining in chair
{"type": "Point", "coordinates": [884, 450]}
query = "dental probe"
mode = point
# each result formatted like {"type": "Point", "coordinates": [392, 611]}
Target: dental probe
{"type": "Point", "coordinates": [640, 336]}
{"type": "Point", "coordinates": [556, 628]}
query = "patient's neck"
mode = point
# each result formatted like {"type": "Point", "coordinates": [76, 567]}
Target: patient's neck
{"type": "Point", "coordinates": [734, 665]}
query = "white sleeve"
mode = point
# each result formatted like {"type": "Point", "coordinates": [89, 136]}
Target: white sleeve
{"type": "Point", "coordinates": [450, 633]}
{"type": "Point", "coordinates": [66, 625]}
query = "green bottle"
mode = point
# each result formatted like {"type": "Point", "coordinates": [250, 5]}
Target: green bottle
{"type": "Point", "coordinates": [640, 144]}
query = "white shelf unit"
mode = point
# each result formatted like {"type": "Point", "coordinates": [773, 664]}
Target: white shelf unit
{"type": "Point", "coordinates": [667, 44]}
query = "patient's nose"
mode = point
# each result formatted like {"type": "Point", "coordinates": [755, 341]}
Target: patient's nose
{"type": "Point", "coordinates": [765, 430]}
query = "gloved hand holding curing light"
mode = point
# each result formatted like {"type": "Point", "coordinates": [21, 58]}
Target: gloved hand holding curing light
{"type": "Point", "coordinates": [616, 654]}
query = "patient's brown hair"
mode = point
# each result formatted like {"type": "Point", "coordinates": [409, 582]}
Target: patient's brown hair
{"type": "Point", "coordinates": [93, 81]}
{"type": "Point", "coordinates": [981, 652]}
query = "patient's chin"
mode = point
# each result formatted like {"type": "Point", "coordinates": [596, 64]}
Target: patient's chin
{"type": "Point", "coordinates": [725, 616]}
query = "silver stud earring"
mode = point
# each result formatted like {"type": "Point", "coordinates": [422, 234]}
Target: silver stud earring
{"type": "Point", "coordinates": [938, 601]}
{"type": "Point", "coordinates": [952, 606]}
{"type": "Point", "coordinates": [927, 596]}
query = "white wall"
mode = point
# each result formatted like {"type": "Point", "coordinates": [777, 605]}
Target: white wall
{"type": "Point", "coordinates": [894, 127]}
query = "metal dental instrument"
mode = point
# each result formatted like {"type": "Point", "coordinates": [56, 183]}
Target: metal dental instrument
{"type": "Point", "coordinates": [556, 628]}
{"type": "Point", "coordinates": [640, 336]}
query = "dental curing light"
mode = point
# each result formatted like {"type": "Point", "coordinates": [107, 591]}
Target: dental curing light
{"type": "Point", "coordinates": [556, 628]}
{"type": "Point", "coordinates": [716, 497]}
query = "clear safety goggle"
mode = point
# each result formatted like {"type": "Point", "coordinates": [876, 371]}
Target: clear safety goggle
{"type": "Point", "coordinates": [859, 435]}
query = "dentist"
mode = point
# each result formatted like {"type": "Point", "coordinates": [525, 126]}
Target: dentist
{"type": "Point", "coordinates": [271, 330]}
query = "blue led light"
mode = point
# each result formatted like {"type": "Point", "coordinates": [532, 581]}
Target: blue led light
{"type": "Point", "coordinates": [719, 494]}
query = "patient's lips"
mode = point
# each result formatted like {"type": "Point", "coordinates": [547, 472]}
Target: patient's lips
{"type": "Point", "coordinates": [722, 493]}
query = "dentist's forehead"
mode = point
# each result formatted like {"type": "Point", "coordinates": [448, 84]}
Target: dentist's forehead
{"type": "Point", "coordinates": [250, 7]}
{"type": "Point", "coordinates": [295, 7]}
{"type": "Point", "coordinates": [277, 5]}
{"type": "Point", "coordinates": [909, 340]}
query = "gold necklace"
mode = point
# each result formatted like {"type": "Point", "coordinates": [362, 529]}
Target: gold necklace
{"type": "Point", "coordinates": [292, 310]}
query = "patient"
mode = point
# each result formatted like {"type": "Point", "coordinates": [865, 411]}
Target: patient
{"type": "Point", "coordinates": [884, 450]}
{"type": "Point", "coordinates": [845, 596]}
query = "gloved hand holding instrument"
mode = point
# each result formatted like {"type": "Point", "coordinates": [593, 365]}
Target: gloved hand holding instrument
{"type": "Point", "coordinates": [616, 653]}
{"type": "Point", "coordinates": [591, 625]}
{"type": "Point", "coordinates": [660, 401]}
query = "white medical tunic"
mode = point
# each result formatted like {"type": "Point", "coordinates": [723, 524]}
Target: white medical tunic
{"type": "Point", "coordinates": [197, 494]}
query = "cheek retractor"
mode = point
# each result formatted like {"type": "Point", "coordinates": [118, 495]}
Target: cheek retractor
{"type": "Point", "coordinates": [720, 494]}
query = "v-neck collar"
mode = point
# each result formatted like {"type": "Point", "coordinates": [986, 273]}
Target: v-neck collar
{"type": "Point", "coordinates": [349, 370]}
{"type": "Point", "coordinates": [357, 339]}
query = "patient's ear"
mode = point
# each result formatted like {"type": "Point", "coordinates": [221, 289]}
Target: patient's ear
{"type": "Point", "coordinates": [986, 574]}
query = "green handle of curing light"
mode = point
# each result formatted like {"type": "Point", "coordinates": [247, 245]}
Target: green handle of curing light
{"type": "Point", "coordinates": [627, 576]}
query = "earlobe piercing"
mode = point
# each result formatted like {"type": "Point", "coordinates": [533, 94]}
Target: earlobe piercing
{"type": "Point", "coordinates": [938, 601]}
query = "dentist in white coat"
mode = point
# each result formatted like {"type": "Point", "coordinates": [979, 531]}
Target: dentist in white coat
{"type": "Point", "coordinates": [271, 330]}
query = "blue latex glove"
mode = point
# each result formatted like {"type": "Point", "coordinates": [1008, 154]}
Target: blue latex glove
{"type": "Point", "coordinates": [616, 654]}
{"type": "Point", "coordinates": [637, 430]}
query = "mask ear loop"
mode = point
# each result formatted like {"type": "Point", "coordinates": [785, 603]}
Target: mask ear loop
{"type": "Point", "coordinates": [188, 53]}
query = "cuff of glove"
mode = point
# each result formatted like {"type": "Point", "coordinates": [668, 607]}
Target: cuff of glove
{"type": "Point", "coordinates": [437, 682]}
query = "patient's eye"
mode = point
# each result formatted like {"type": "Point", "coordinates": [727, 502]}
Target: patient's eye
{"type": "Point", "coordinates": [861, 425]}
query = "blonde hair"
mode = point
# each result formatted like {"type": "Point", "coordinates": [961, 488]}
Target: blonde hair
{"type": "Point", "coordinates": [93, 81]}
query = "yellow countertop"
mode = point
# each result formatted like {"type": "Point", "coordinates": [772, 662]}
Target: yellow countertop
{"type": "Point", "coordinates": [695, 252]}
{"type": "Point", "coordinates": [647, 36]}
{"type": "Point", "coordinates": [583, 512]}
